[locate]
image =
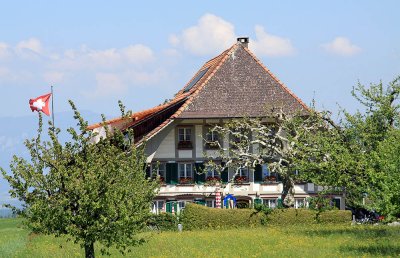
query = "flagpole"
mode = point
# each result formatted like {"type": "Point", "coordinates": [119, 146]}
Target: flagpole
{"type": "Point", "coordinates": [52, 106]}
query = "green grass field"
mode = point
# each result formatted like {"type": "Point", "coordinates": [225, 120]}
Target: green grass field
{"type": "Point", "coordinates": [290, 241]}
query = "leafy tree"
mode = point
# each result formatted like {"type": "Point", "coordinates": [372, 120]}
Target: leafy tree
{"type": "Point", "coordinates": [91, 192]}
{"type": "Point", "coordinates": [353, 154]}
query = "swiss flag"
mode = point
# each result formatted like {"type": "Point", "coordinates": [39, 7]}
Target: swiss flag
{"type": "Point", "coordinates": [40, 104]}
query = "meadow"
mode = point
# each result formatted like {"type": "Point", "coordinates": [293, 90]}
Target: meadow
{"type": "Point", "coordinates": [286, 241]}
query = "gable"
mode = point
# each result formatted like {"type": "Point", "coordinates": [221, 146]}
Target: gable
{"type": "Point", "coordinates": [241, 86]}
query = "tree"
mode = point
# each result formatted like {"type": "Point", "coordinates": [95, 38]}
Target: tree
{"type": "Point", "coordinates": [353, 154]}
{"type": "Point", "coordinates": [91, 192]}
{"type": "Point", "coordinates": [257, 141]}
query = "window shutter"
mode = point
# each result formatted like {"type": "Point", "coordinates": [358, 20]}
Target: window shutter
{"type": "Point", "coordinates": [199, 173]}
{"type": "Point", "coordinates": [258, 173]}
{"type": "Point", "coordinates": [171, 173]}
{"type": "Point", "coordinates": [224, 174]}
{"type": "Point", "coordinates": [168, 207]}
{"type": "Point", "coordinates": [148, 171]}
{"type": "Point", "coordinates": [174, 173]}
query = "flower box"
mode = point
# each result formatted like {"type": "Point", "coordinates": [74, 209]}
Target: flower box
{"type": "Point", "coordinates": [185, 180]}
{"type": "Point", "coordinates": [185, 145]}
{"type": "Point", "coordinates": [241, 179]}
{"type": "Point", "coordinates": [211, 180]}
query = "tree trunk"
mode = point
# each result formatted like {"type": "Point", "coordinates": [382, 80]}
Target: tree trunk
{"type": "Point", "coordinates": [89, 250]}
{"type": "Point", "coordinates": [287, 193]}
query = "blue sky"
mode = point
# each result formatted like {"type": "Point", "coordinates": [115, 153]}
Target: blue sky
{"type": "Point", "coordinates": [97, 52]}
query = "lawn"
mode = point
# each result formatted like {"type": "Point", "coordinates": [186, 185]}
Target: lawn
{"type": "Point", "coordinates": [289, 241]}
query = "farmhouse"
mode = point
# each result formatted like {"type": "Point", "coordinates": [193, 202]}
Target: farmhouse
{"type": "Point", "coordinates": [234, 84]}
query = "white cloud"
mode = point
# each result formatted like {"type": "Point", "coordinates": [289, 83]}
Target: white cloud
{"type": "Point", "coordinates": [108, 57]}
{"type": "Point", "coordinates": [138, 54]}
{"type": "Point", "coordinates": [211, 35]}
{"type": "Point", "coordinates": [270, 45]}
{"type": "Point", "coordinates": [4, 50]}
{"type": "Point", "coordinates": [32, 45]}
{"type": "Point", "coordinates": [107, 84]}
{"type": "Point", "coordinates": [341, 46]}
{"type": "Point", "coordinates": [53, 77]}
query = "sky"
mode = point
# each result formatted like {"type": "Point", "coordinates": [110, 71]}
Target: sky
{"type": "Point", "coordinates": [142, 52]}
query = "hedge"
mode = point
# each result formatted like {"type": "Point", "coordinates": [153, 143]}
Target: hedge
{"type": "Point", "coordinates": [199, 217]}
{"type": "Point", "coordinates": [195, 216]}
{"type": "Point", "coordinates": [163, 222]}
{"type": "Point", "coordinates": [335, 216]}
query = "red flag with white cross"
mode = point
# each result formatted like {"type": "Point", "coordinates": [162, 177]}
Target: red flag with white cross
{"type": "Point", "coordinates": [40, 104]}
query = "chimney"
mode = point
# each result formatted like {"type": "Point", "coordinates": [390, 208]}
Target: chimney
{"type": "Point", "coordinates": [244, 41]}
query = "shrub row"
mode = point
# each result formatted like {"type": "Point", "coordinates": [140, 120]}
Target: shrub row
{"type": "Point", "coordinates": [163, 222]}
{"type": "Point", "coordinates": [200, 217]}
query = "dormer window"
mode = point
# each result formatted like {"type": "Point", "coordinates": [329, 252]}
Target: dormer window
{"type": "Point", "coordinates": [185, 138]}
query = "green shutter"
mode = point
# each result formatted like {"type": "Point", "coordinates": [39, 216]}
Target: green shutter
{"type": "Point", "coordinates": [280, 203]}
{"type": "Point", "coordinates": [174, 173]}
{"type": "Point", "coordinates": [168, 207]}
{"type": "Point", "coordinates": [224, 174]}
{"type": "Point", "coordinates": [199, 173]}
{"type": "Point", "coordinates": [171, 173]}
{"type": "Point", "coordinates": [258, 173]}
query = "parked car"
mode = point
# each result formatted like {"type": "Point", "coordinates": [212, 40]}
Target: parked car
{"type": "Point", "coordinates": [363, 215]}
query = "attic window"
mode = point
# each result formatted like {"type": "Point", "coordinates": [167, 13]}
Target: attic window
{"type": "Point", "coordinates": [196, 79]}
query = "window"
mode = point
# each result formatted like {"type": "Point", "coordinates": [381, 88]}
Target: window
{"type": "Point", "coordinates": [182, 204]}
{"type": "Point", "coordinates": [212, 173]}
{"type": "Point", "coordinates": [185, 173]}
{"type": "Point", "coordinates": [158, 207]}
{"type": "Point", "coordinates": [243, 172]}
{"type": "Point", "coordinates": [184, 134]}
{"type": "Point", "coordinates": [299, 203]}
{"type": "Point", "coordinates": [268, 176]}
{"type": "Point", "coordinates": [158, 169]}
{"type": "Point", "coordinates": [184, 138]}
{"type": "Point", "coordinates": [210, 203]}
{"type": "Point", "coordinates": [271, 203]}
{"type": "Point", "coordinates": [242, 176]}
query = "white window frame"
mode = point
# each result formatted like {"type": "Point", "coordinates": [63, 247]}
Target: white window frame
{"type": "Point", "coordinates": [212, 173]}
{"type": "Point", "coordinates": [184, 134]}
{"type": "Point", "coordinates": [185, 173]}
{"type": "Point", "coordinates": [212, 136]}
{"type": "Point", "coordinates": [300, 203]}
{"type": "Point", "coordinates": [244, 172]}
{"type": "Point", "coordinates": [265, 170]}
{"type": "Point", "coordinates": [270, 202]}
{"type": "Point", "coordinates": [158, 206]}
{"type": "Point", "coordinates": [158, 169]}
{"type": "Point", "coordinates": [212, 202]}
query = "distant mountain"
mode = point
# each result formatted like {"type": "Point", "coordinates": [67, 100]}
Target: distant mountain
{"type": "Point", "coordinates": [14, 131]}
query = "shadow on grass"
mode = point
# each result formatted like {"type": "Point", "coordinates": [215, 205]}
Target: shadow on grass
{"type": "Point", "coordinates": [374, 250]}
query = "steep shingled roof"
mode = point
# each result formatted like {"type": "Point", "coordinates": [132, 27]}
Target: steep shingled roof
{"type": "Point", "coordinates": [234, 84]}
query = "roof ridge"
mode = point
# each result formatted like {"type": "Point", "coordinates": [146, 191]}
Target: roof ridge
{"type": "Point", "coordinates": [200, 87]}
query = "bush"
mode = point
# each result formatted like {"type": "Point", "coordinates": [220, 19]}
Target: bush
{"type": "Point", "coordinates": [199, 217]}
{"type": "Point", "coordinates": [335, 217]}
{"type": "Point", "coordinates": [291, 216]}
{"type": "Point", "coordinates": [163, 222]}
